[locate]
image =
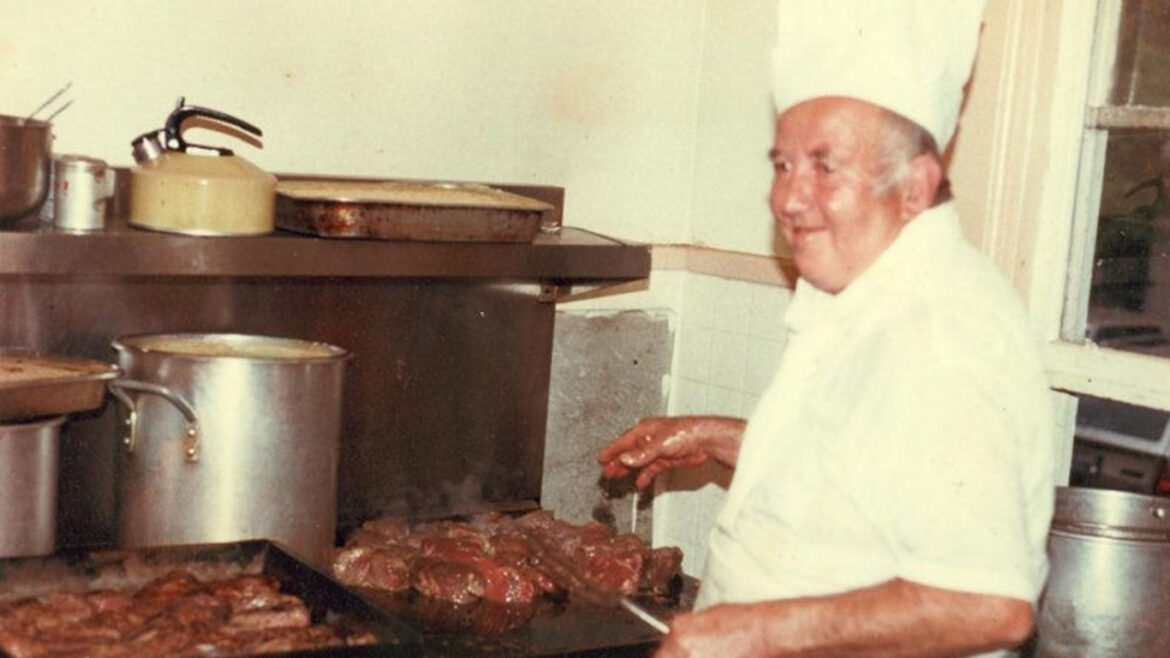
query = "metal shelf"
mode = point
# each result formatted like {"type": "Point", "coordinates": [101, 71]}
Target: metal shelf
{"type": "Point", "coordinates": [569, 255]}
{"type": "Point", "coordinates": [564, 254]}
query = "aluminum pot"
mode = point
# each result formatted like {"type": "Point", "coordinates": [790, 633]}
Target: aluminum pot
{"type": "Point", "coordinates": [229, 437]}
{"type": "Point", "coordinates": [1108, 591]}
{"type": "Point", "coordinates": [28, 486]}
{"type": "Point", "coordinates": [25, 158]}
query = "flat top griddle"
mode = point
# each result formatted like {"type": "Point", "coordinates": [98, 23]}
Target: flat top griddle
{"type": "Point", "coordinates": [550, 628]}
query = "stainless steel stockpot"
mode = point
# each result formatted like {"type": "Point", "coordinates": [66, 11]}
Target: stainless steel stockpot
{"type": "Point", "coordinates": [28, 486]}
{"type": "Point", "coordinates": [229, 437]}
{"type": "Point", "coordinates": [1108, 591]}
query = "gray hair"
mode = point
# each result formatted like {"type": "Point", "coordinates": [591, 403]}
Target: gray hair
{"type": "Point", "coordinates": [902, 141]}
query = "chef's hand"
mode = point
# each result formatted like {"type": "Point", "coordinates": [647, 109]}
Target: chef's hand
{"type": "Point", "coordinates": [726, 631]}
{"type": "Point", "coordinates": [658, 444]}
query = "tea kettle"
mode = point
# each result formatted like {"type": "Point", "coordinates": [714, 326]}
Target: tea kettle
{"type": "Point", "coordinates": [215, 194]}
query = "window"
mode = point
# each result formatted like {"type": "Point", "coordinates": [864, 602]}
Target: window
{"type": "Point", "coordinates": [1116, 316]}
{"type": "Point", "coordinates": [1123, 299]}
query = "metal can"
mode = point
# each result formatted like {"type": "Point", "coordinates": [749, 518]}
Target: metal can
{"type": "Point", "coordinates": [81, 189]}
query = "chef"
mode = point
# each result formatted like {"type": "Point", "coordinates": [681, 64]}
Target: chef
{"type": "Point", "coordinates": [893, 489]}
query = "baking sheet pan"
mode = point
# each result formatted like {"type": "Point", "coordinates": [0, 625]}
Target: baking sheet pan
{"type": "Point", "coordinates": [34, 385]}
{"type": "Point", "coordinates": [329, 602]}
{"type": "Point", "coordinates": [408, 211]}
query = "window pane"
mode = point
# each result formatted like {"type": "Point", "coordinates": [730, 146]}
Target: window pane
{"type": "Point", "coordinates": [1120, 446]}
{"type": "Point", "coordinates": [1129, 299]}
{"type": "Point", "coordinates": [1143, 50]}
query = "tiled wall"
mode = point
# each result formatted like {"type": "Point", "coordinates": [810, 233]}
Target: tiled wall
{"type": "Point", "coordinates": [729, 340]}
{"type": "Point", "coordinates": [728, 336]}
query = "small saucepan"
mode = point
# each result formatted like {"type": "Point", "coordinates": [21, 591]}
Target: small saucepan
{"type": "Point", "coordinates": [25, 159]}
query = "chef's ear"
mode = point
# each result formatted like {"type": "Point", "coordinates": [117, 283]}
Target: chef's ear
{"type": "Point", "coordinates": [920, 185]}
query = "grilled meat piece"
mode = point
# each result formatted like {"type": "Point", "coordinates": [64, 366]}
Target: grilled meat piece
{"type": "Point", "coordinates": [366, 566]}
{"type": "Point", "coordinates": [292, 614]}
{"type": "Point", "coordinates": [176, 615]}
{"type": "Point", "coordinates": [389, 529]}
{"type": "Point", "coordinates": [662, 570]}
{"type": "Point", "coordinates": [504, 584]}
{"type": "Point", "coordinates": [457, 582]}
{"type": "Point", "coordinates": [610, 568]}
{"type": "Point", "coordinates": [248, 592]}
{"type": "Point", "coordinates": [454, 549]}
{"type": "Point", "coordinates": [492, 557]}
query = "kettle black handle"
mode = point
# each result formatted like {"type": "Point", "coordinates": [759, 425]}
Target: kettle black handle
{"type": "Point", "coordinates": [182, 112]}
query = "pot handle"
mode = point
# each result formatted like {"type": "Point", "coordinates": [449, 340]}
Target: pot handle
{"type": "Point", "coordinates": [190, 437]}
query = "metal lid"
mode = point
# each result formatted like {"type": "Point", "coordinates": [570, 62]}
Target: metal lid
{"type": "Point", "coordinates": [243, 346]}
{"type": "Point", "coordinates": [79, 163]}
{"type": "Point", "coordinates": [1112, 514]}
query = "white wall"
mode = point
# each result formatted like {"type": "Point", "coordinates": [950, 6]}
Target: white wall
{"type": "Point", "coordinates": [734, 130]}
{"type": "Point", "coordinates": [599, 97]}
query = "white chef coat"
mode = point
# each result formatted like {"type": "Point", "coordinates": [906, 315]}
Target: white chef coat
{"type": "Point", "coordinates": [907, 434]}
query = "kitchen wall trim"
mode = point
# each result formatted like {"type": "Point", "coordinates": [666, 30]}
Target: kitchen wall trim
{"type": "Point", "coordinates": [768, 270]}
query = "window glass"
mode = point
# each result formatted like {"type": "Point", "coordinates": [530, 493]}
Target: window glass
{"type": "Point", "coordinates": [1143, 48]}
{"type": "Point", "coordinates": [1129, 298]}
{"type": "Point", "coordinates": [1129, 293]}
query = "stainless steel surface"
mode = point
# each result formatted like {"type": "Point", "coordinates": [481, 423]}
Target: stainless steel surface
{"type": "Point", "coordinates": [28, 487]}
{"type": "Point", "coordinates": [81, 189]}
{"type": "Point", "coordinates": [445, 400]}
{"type": "Point", "coordinates": [269, 427]}
{"type": "Point", "coordinates": [190, 441]}
{"type": "Point", "coordinates": [1108, 591]}
{"type": "Point", "coordinates": [25, 148]}
{"type": "Point", "coordinates": [570, 255]}
{"type": "Point", "coordinates": [148, 146]}
{"type": "Point", "coordinates": [35, 385]}
{"type": "Point", "coordinates": [608, 370]}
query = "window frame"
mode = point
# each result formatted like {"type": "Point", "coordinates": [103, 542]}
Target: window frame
{"type": "Point", "coordinates": [1043, 183]}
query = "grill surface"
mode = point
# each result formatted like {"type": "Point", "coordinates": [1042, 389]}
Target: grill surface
{"type": "Point", "coordinates": [569, 628]}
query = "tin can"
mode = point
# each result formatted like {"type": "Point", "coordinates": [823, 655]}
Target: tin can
{"type": "Point", "coordinates": [81, 189]}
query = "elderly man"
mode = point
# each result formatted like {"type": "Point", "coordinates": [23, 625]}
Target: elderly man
{"type": "Point", "coordinates": [892, 491]}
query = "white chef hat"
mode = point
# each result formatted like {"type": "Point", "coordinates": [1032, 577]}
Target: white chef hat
{"type": "Point", "coordinates": [909, 56]}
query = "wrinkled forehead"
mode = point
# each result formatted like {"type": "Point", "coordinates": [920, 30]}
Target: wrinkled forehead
{"type": "Point", "coordinates": [829, 124]}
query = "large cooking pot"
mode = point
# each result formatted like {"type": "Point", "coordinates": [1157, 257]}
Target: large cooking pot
{"type": "Point", "coordinates": [229, 437]}
{"type": "Point", "coordinates": [25, 158]}
{"type": "Point", "coordinates": [1108, 592]}
{"type": "Point", "coordinates": [28, 486]}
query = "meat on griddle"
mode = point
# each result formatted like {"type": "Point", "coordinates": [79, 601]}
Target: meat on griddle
{"type": "Point", "coordinates": [175, 615]}
{"type": "Point", "coordinates": [492, 557]}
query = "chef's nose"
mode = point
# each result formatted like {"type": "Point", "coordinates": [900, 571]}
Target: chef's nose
{"type": "Point", "coordinates": [796, 191]}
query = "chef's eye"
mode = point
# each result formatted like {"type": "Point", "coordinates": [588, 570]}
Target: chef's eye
{"type": "Point", "coordinates": [826, 166]}
{"type": "Point", "coordinates": [781, 166]}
